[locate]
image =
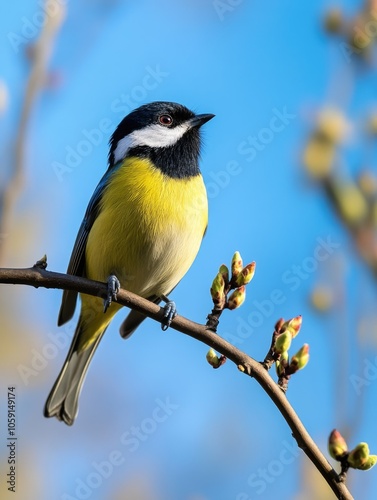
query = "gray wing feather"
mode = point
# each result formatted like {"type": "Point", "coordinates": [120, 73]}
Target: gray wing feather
{"type": "Point", "coordinates": [133, 320]}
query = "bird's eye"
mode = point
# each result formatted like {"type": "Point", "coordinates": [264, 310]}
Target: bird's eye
{"type": "Point", "coordinates": [165, 120]}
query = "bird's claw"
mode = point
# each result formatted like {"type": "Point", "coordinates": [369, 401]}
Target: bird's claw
{"type": "Point", "coordinates": [170, 311]}
{"type": "Point", "coordinates": [113, 287]}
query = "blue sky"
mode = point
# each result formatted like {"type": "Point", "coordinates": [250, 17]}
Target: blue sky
{"type": "Point", "coordinates": [264, 69]}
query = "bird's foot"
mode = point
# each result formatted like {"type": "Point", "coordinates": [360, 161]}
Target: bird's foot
{"type": "Point", "coordinates": [113, 287]}
{"type": "Point", "coordinates": [170, 311]}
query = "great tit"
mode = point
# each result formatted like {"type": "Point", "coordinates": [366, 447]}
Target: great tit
{"type": "Point", "coordinates": [142, 229]}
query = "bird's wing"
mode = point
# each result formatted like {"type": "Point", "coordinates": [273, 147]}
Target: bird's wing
{"type": "Point", "coordinates": [133, 320]}
{"type": "Point", "coordinates": [76, 266]}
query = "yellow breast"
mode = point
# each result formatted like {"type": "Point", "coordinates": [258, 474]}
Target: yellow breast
{"type": "Point", "coordinates": [149, 228]}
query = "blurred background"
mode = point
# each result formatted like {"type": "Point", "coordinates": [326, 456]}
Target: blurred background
{"type": "Point", "coordinates": [290, 167]}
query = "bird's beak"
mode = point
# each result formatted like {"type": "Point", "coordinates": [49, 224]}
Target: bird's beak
{"type": "Point", "coordinates": [199, 120]}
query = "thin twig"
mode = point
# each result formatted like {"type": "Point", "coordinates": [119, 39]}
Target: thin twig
{"type": "Point", "coordinates": [39, 277]}
{"type": "Point", "coordinates": [41, 54]}
{"type": "Point", "coordinates": [363, 233]}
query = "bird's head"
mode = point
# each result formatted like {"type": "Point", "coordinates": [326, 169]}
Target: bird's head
{"type": "Point", "coordinates": [165, 132]}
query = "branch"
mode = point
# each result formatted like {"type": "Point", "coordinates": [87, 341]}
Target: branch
{"type": "Point", "coordinates": [363, 232]}
{"type": "Point", "coordinates": [37, 276]}
{"type": "Point", "coordinates": [41, 55]}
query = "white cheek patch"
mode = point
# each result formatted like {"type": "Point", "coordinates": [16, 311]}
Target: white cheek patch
{"type": "Point", "coordinates": [154, 136]}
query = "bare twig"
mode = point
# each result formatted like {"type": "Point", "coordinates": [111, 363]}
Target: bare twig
{"type": "Point", "coordinates": [363, 233]}
{"type": "Point", "coordinates": [39, 277]}
{"type": "Point", "coordinates": [38, 75]}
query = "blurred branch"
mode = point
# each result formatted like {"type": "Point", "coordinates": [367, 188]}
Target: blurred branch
{"type": "Point", "coordinates": [354, 202]}
{"type": "Point", "coordinates": [37, 276]}
{"type": "Point", "coordinates": [362, 229]}
{"type": "Point", "coordinates": [40, 56]}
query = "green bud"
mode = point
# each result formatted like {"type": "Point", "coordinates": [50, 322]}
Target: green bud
{"type": "Point", "coordinates": [224, 271]}
{"type": "Point", "coordinates": [217, 291]}
{"type": "Point", "coordinates": [283, 343]}
{"type": "Point", "coordinates": [371, 462]}
{"type": "Point", "coordinates": [246, 275]}
{"type": "Point", "coordinates": [236, 264]}
{"type": "Point", "coordinates": [301, 358]}
{"type": "Point", "coordinates": [284, 358]}
{"type": "Point", "coordinates": [279, 324]}
{"type": "Point", "coordinates": [279, 368]}
{"type": "Point", "coordinates": [237, 298]}
{"type": "Point", "coordinates": [358, 456]}
{"type": "Point", "coordinates": [337, 445]}
{"type": "Point", "coordinates": [213, 359]}
{"type": "Point", "coordinates": [334, 20]}
{"type": "Point", "coordinates": [281, 363]}
{"type": "Point", "coordinates": [293, 325]}
{"type": "Point", "coordinates": [218, 283]}
{"type": "Point", "coordinates": [351, 202]}
{"type": "Point", "coordinates": [318, 156]}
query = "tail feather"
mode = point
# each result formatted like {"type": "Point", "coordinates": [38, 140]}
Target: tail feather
{"type": "Point", "coordinates": [133, 320]}
{"type": "Point", "coordinates": [130, 324]}
{"type": "Point", "coordinates": [62, 401]}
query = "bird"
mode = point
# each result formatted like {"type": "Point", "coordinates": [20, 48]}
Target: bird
{"type": "Point", "coordinates": [142, 230]}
